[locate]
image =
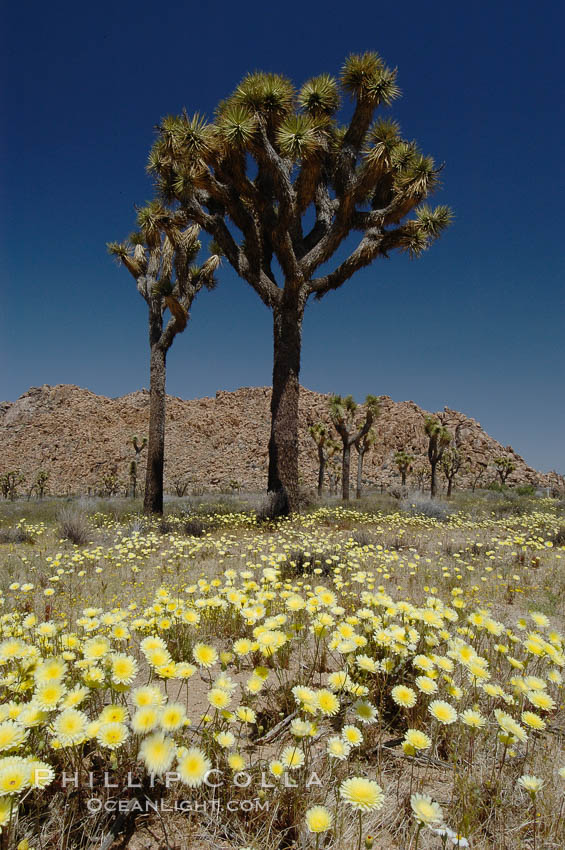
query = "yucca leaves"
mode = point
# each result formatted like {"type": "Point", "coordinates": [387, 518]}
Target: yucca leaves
{"type": "Point", "coordinates": [319, 96]}
{"type": "Point", "coordinates": [419, 176]}
{"type": "Point", "coordinates": [360, 70]}
{"type": "Point", "coordinates": [415, 241]}
{"type": "Point", "coordinates": [382, 87]}
{"type": "Point", "coordinates": [163, 288]}
{"type": "Point", "coordinates": [433, 222]}
{"type": "Point", "coordinates": [178, 311]}
{"type": "Point", "coordinates": [119, 250]}
{"type": "Point", "coordinates": [384, 137]}
{"type": "Point", "coordinates": [270, 95]}
{"type": "Point", "coordinates": [237, 126]}
{"type": "Point", "coordinates": [403, 155]}
{"type": "Point", "coordinates": [150, 220]}
{"type": "Point", "coordinates": [298, 137]}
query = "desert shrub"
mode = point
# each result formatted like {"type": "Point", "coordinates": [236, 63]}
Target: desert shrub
{"type": "Point", "coordinates": [194, 527]}
{"type": "Point", "coordinates": [363, 537]}
{"type": "Point", "coordinates": [165, 526]}
{"type": "Point", "coordinates": [496, 487]}
{"type": "Point", "coordinates": [137, 526]}
{"type": "Point", "coordinates": [74, 526]}
{"type": "Point", "coordinates": [420, 505]}
{"type": "Point", "coordinates": [16, 534]}
{"type": "Point", "coordinates": [558, 538]}
{"type": "Point", "coordinates": [299, 562]}
{"type": "Point", "coordinates": [270, 507]}
{"type": "Point", "coordinates": [525, 490]}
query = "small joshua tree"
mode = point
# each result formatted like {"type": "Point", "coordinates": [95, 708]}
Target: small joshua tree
{"type": "Point", "coordinates": [404, 462]}
{"type": "Point", "coordinates": [40, 483]}
{"type": "Point", "coordinates": [451, 463]}
{"type": "Point", "coordinates": [438, 440]}
{"type": "Point", "coordinates": [333, 467]}
{"type": "Point", "coordinates": [421, 473]}
{"type": "Point", "coordinates": [133, 467]}
{"type": "Point", "coordinates": [505, 466]}
{"type": "Point", "coordinates": [320, 434]}
{"type": "Point", "coordinates": [477, 469]}
{"type": "Point", "coordinates": [110, 484]}
{"type": "Point", "coordinates": [10, 482]}
{"type": "Point", "coordinates": [343, 413]}
{"type": "Point", "coordinates": [181, 484]}
{"type": "Point", "coordinates": [363, 444]}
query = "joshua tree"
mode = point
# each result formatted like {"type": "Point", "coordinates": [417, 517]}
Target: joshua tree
{"type": "Point", "coordinates": [333, 467]}
{"type": "Point", "coordinates": [504, 468]}
{"type": "Point", "coordinates": [438, 440]}
{"type": "Point", "coordinates": [9, 483]}
{"type": "Point", "coordinates": [133, 467]}
{"type": "Point", "coordinates": [40, 483]}
{"type": "Point", "coordinates": [477, 469]}
{"type": "Point", "coordinates": [451, 463]}
{"type": "Point", "coordinates": [421, 473]}
{"type": "Point", "coordinates": [110, 484]}
{"type": "Point", "coordinates": [404, 462]}
{"type": "Point", "coordinates": [279, 183]}
{"type": "Point", "coordinates": [363, 444]}
{"type": "Point", "coordinates": [160, 256]}
{"type": "Point", "coordinates": [321, 436]}
{"type": "Point", "coordinates": [343, 413]}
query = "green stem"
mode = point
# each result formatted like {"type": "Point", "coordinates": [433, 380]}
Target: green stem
{"type": "Point", "coordinates": [360, 830]}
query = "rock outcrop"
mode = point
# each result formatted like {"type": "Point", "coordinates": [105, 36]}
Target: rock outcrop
{"type": "Point", "coordinates": [80, 437]}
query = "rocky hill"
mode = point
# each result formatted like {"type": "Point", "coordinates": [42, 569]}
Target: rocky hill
{"type": "Point", "coordinates": [80, 437]}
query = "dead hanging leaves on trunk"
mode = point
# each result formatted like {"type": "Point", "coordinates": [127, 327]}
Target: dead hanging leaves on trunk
{"type": "Point", "coordinates": [177, 310]}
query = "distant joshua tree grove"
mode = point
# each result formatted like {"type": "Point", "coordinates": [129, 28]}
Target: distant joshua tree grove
{"type": "Point", "coordinates": [280, 183]}
{"type": "Point", "coordinates": [159, 256]}
{"type": "Point", "coordinates": [343, 413]}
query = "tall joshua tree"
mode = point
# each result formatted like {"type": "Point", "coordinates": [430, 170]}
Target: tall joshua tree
{"type": "Point", "coordinates": [438, 440]}
{"type": "Point", "coordinates": [280, 185]}
{"type": "Point", "coordinates": [344, 413]}
{"type": "Point", "coordinates": [363, 444]}
{"type": "Point", "coordinates": [159, 256]}
{"type": "Point", "coordinates": [404, 462]}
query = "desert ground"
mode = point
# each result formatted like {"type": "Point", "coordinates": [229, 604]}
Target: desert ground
{"type": "Point", "coordinates": [386, 673]}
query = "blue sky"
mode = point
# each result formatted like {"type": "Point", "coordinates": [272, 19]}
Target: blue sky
{"type": "Point", "coordinates": [476, 324]}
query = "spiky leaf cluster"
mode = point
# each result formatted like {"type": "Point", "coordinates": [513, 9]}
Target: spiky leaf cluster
{"type": "Point", "coordinates": [272, 153]}
{"type": "Point", "coordinates": [160, 256]}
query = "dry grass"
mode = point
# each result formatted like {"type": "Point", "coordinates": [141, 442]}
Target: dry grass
{"type": "Point", "coordinates": [499, 561]}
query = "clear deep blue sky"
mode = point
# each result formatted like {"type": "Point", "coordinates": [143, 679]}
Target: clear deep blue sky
{"type": "Point", "coordinates": [476, 324]}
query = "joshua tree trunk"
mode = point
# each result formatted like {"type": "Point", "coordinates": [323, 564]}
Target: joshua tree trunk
{"type": "Point", "coordinates": [403, 474]}
{"type": "Point", "coordinates": [133, 479]}
{"type": "Point", "coordinates": [360, 458]}
{"type": "Point", "coordinates": [433, 481]}
{"type": "Point", "coordinates": [449, 487]}
{"type": "Point", "coordinates": [283, 443]}
{"type": "Point", "coordinates": [321, 470]}
{"type": "Point", "coordinates": [153, 501]}
{"type": "Point", "coordinates": [345, 467]}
